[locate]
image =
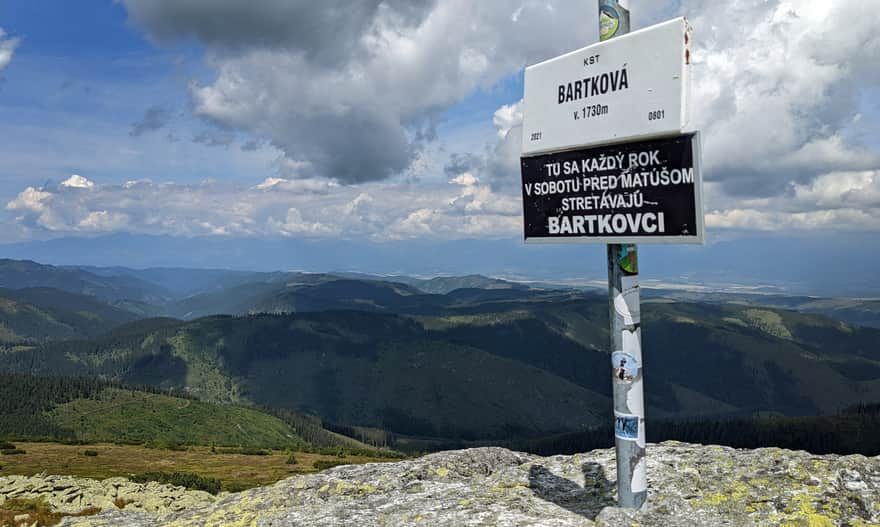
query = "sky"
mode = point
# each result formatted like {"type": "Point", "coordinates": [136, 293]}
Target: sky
{"type": "Point", "coordinates": [400, 120]}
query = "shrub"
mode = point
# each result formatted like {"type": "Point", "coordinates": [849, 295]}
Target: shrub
{"type": "Point", "coordinates": [14, 452]}
{"type": "Point", "coordinates": [236, 487]}
{"type": "Point", "coordinates": [253, 452]}
{"type": "Point", "coordinates": [6, 446]}
{"type": "Point", "coordinates": [324, 464]}
{"type": "Point", "coordinates": [120, 503]}
{"type": "Point", "coordinates": [174, 447]}
{"type": "Point", "coordinates": [291, 460]}
{"type": "Point", "coordinates": [245, 451]}
{"type": "Point", "coordinates": [180, 479]}
{"type": "Point", "coordinates": [90, 453]}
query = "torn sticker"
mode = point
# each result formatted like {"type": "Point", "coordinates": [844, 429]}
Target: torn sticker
{"type": "Point", "coordinates": [627, 302]}
{"type": "Point", "coordinates": [626, 426]}
{"type": "Point", "coordinates": [626, 367]}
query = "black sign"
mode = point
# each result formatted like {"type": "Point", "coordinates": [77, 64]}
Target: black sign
{"type": "Point", "coordinates": [642, 192]}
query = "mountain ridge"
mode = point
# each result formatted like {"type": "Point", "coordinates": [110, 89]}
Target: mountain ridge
{"type": "Point", "coordinates": [480, 369]}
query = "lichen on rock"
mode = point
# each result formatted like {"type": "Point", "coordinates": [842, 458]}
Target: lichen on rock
{"type": "Point", "coordinates": [690, 485]}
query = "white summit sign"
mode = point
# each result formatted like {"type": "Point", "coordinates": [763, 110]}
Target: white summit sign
{"type": "Point", "coordinates": [627, 88]}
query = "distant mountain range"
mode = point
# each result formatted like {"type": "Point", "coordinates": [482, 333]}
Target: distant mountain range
{"type": "Point", "coordinates": [863, 312]}
{"type": "Point", "coordinates": [460, 358]}
{"type": "Point", "coordinates": [794, 263]}
{"type": "Point", "coordinates": [110, 288]}
{"type": "Point", "coordinates": [473, 363]}
{"type": "Point", "coordinates": [193, 293]}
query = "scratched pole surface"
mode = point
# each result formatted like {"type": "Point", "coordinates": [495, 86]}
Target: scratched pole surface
{"type": "Point", "coordinates": [626, 333]}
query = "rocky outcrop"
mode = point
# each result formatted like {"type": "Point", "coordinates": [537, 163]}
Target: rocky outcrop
{"type": "Point", "coordinates": [689, 486]}
{"type": "Point", "coordinates": [71, 495]}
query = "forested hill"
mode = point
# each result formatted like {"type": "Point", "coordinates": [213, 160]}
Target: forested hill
{"type": "Point", "coordinates": [40, 314]}
{"type": "Point", "coordinates": [19, 274]}
{"type": "Point", "coordinates": [87, 409]}
{"type": "Point", "coordinates": [488, 364]}
{"type": "Point", "coordinates": [91, 410]}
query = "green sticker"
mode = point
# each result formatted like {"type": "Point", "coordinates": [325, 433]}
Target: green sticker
{"type": "Point", "coordinates": [628, 260]}
{"type": "Point", "coordinates": [609, 22]}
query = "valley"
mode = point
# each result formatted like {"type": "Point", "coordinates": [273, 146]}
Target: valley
{"type": "Point", "coordinates": [412, 362]}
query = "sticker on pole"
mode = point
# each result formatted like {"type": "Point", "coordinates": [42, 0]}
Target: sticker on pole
{"type": "Point", "coordinates": [626, 426]}
{"type": "Point", "coordinates": [629, 87]}
{"type": "Point", "coordinates": [642, 192]}
{"type": "Point", "coordinates": [626, 367]}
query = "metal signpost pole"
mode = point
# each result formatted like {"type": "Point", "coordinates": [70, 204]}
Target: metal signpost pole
{"type": "Point", "coordinates": [626, 340]}
{"type": "Point", "coordinates": [607, 158]}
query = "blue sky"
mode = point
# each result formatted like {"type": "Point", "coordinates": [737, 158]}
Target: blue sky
{"type": "Point", "coordinates": [79, 79]}
{"type": "Point", "coordinates": [394, 121]}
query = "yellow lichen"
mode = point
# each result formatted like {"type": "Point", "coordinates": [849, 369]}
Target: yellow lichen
{"type": "Point", "coordinates": [442, 472]}
{"type": "Point", "coordinates": [341, 488]}
{"type": "Point", "coordinates": [366, 488]}
{"type": "Point", "coordinates": [505, 488]}
{"type": "Point", "coordinates": [715, 499]}
{"type": "Point", "coordinates": [803, 514]}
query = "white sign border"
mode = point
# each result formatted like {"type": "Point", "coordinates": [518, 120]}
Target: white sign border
{"type": "Point", "coordinates": [685, 114]}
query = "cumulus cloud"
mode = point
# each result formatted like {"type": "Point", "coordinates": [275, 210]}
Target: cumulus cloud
{"type": "Point", "coordinates": [499, 164]}
{"type": "Point", "coordinates": [777, 92]}
{"type": "Point", "coordinates": [154, 118]}
{"type": "Point", "coordinates": [77, 181]}
{"type": "Point", "coordinates": [849, 200]}
{"type": "Point", "coordinates": [8, 46]}
{"type": "Point", "coordinates": [354, 90]}
{"type": "Point", "coordinates": [507, 117]}
{"type": "Point", "coordinates": [351, 92]}
{"type": "Point", "coordinates": [103, 221]}
{"type": "Point", "coordinates": [294, 224]}
{"type": "Point", "coordinates": [776, 89]}
{"type": "Point", "coordinates": [327, 31]}
{"type": "Point", "coordinates": [316, 207]}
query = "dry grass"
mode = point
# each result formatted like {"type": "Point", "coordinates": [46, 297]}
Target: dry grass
{"type": "Point", "coordinates": [236, 471]}
{"type": "Point", "coordinates": [19, 513]}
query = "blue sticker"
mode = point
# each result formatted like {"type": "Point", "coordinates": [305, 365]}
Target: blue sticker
{"type": "Point", "coordinates": [626, 426]}
{"type": "Point", "coordinates": [626, 367]}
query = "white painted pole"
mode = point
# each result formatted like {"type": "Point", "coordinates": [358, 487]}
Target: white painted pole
{"type": "Point", "coordinates": [626, 334]}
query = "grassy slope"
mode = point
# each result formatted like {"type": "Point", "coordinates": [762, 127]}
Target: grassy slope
{"type": "Point", "coordinates": [138, 417]}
